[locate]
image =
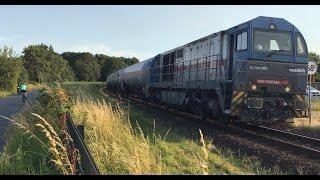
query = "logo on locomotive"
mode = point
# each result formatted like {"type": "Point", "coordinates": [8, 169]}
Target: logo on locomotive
{"type": "Point", "coordinates": [259, 67]}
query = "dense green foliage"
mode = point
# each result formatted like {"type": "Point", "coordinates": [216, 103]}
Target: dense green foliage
{"type": "Point", "coordinates": [45, 65]}
{"type": "Point", "coordinates": [40, 63]}
{"type": "Point", "coordinates": [11, 69]}
{"type": "Point", "coordinates": [89, 67]}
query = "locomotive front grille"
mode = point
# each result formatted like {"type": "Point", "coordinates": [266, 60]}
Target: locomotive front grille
{"type": "Point", "coordinates": [255, 102]}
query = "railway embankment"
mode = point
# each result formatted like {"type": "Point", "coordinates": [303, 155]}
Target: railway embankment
{"type": "Point", "coordinates": [123, 139]}
{"type": "Point", "coordinates": [36, 140]}
{"type": "Point", "coordinates": [257, 145]}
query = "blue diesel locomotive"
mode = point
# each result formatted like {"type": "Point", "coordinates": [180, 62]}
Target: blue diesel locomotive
{"type": "Point", "coordinates": [252, 72]}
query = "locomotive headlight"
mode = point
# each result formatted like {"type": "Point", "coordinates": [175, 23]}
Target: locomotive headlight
{"type": "Point", "coordinates": [254, 87]}
{"type": "Point", "coordinates": [287, 89]}
{"type": "Point", "coordinates": [272, 26]}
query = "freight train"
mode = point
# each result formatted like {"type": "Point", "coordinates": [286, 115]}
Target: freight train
{"type": "Point", "coordinates": [253, 72]}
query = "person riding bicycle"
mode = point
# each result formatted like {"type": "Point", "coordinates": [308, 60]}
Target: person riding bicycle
{"type": "Point", "coordinates": [23, 87]}
{"type": "Point", "coordinates": [23, 90]}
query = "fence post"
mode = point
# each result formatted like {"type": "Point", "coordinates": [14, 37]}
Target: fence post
{"type": "Point", "coordinates": [88, 166]}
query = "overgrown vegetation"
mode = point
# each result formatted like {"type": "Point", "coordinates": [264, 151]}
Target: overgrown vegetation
{"type": "Point", "coordinates": [123, 140]}
{"type": "Point", "coordinates": [11, 70]}
{"type": "Point", "coordinates": [37, 143]}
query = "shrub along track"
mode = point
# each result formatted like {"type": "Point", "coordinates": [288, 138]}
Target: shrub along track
{"type": "Point", "coordinates": [243, 141]}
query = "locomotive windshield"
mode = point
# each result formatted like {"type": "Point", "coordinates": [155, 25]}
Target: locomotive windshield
{"type": "Point", "coordinates": [272, 41]}
{"type": "Point", "coordinates": [301, 45]}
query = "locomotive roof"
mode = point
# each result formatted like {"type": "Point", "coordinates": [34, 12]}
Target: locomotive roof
{"type": "Point", "coordinates": [259, 21]}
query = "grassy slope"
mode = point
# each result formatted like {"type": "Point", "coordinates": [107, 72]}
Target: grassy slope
{"type": "Point", "coordinates": [33, 142]}
{"type": "Point", "coordinates": [176, 151]}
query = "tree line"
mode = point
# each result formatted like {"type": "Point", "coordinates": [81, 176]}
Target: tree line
{"type": "Point", "coordinates": [41, 64]}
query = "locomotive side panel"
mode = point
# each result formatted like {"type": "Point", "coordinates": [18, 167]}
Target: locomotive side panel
{"type": "Point", "coordinates": [197, 78]}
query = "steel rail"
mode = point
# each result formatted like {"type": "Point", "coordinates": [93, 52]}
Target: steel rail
{"type": "Point", "coordinates": [281, 133]}
{"type": "Point", "coordinates": [287, 144]}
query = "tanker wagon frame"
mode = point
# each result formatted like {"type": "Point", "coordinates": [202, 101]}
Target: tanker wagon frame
{"type": "Point", "coordinates": [252, 72]}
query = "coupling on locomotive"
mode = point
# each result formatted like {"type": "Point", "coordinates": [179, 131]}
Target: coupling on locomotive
{"type": "Point", "coordinates": [252, 72]}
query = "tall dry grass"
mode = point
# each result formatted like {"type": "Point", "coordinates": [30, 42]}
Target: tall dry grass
{"type": "Point", "coordinates": [36, 141]}
{"type": "Point", "coordinates": [116, 146]}
{"type": "Point", "coordinates": [45, 138]}
{"type": "Point", "coordinates": [124, 140]}
{"type": "Point", "coordinates": [119, 148]}
{"type": "Point", "coordinates": [315, 117]}
{"type": "Point", "coordinates": [34, 86]}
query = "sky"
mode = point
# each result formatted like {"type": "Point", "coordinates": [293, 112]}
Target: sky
{"type": "Point", "coordinates": [137, 30]}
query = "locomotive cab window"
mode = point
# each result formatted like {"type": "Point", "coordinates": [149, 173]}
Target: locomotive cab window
{"type": "Point", "coordinates": [179, 53]}
{"type": "Point", "coordinates": [242, 41]}
{"type": "Point", "coordinates": [272, 41]}
{"type": "Point", "coordinates": [301, 45]}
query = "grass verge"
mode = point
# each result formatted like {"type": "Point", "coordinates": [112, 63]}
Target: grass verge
{"type": "Point", "coordinates": [124, 140]}
{"type": "Point", "coordinates": [37, 143]}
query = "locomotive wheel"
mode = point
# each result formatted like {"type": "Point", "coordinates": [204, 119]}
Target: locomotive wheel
{"type": "Point", "coordinates": [200, 111]}
{"type": "Point", "coordinates": [186, 106]}
{"type": "Point", "coordinates": [198, 108]}
{"type": "Point", "coordinates": [216, 111]}
{"type": "Point", "coordinates": [203, 111]}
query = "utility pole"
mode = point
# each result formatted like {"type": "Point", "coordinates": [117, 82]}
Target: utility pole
{"type": "Point", "coordinates": [309, 93]}
{"type": "Point", "coordinates": [312, 69]}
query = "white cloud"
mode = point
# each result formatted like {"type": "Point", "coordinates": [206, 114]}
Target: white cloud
{"type": "Point", "coordinates": [92, 48]}
{"type": "Point", "coordinates": [100, 48]}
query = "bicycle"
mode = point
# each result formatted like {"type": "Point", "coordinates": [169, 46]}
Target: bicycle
{"type": "Point", "coordinates": [24, 96]}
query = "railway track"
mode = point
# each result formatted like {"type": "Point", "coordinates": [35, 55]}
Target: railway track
{"type": "Point", "coordinates": [298, 144]}
{"type": "Point", "coordinates": [309, 146]}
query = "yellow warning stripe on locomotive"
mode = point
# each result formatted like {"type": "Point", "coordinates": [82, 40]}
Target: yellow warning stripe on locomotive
{"type": "Point", "coordinates": [237, 97]}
